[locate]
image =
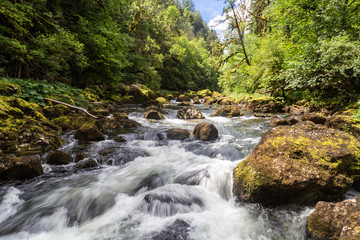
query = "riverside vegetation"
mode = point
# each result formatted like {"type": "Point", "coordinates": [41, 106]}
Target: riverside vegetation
{"type": "Point", "coordinates": [76, 69]}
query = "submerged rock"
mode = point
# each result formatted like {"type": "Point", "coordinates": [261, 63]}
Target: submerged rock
{"type": "Point", "coordinates": [298, 164]}
{"type": "Point", "coordinates": [20, 167]}
{"type": "Point", "coordinates": [88, 163]}
{"type": "Point", "coordinates": [190, 113]}
{"type": "Point", "coordinates": [89, 132]}
{"type": "Point", "coordinates": [153, 114]}
{"type": "Point", "coordinates": [335, 220]}
{"type": "Point", "coordinates": [177, 134]}
{"type": "Point", "coordinates": [116, 123]}
{"type": "Point", "coordinates": [178, 230]}
{"type": "Point", "coordinates": [228, 111]}
{"type": "Point", "coordinates": [58, 158]}
{"type": "Point", "coordinates": [80, 156]}
{"type": "Point", "coordinates": [206, 132]}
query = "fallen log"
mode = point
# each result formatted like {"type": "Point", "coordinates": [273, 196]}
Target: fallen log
{"type": "Point", "coordinates": [70, 106]}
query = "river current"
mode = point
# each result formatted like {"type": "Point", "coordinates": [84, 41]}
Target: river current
{"type": "Point", "coordinates": [150, 188]}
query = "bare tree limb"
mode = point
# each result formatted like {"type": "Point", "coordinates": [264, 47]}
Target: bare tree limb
{"type": "Point", "coordinates": [70, 106]}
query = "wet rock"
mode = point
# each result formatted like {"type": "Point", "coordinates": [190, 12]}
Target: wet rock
{"type": "Point", "coordinates": [24, 130]}
{"type": "Point", "coordinates": [209, 100]}
{"type": "Point", "coordinates": [183, 98]}
{"type": "Point", "coordinates": [205, 132]}
{"type": "Point", "coordinates": [71, 121]}
{"type": "Point", "coordinates": [58, 158]}
{"type": "Point", "coordinates": [89, 132]}
{"type": "Point", "coordinates": [106, 151]}
{"type": "Point", "coordinates": [149, 183]}
{"type": "Point", "coordinates": [119, 139]}
{"type": "Point", "coordinates": [116, 123]}
{"type": "Point", "coordinates": [317, 118]}
{"type": "Point", "coordinates": [225, 101]}
{"type": "Point", "coordinates": [265, 105]}
{"type": "Point", "coordinates": [335, 220]}
{"type": "Point", "coordinates": [120, 156]}
{"type": "Point", "coordinates": [87, 163]}
{"type": "Point", "coordinates": [141, 93]}
{"type": "Point", "coordinates": [228, 111]}
{"type": "Point", "coordinates": [260, 115]}
{"type": "Point", "coordinates": [153, 114]}
{"type": "Point", "coordinates": [283, 122]}
{"type": "Point", "coordinates": [297, 164]}
{"type": "Point", "coordinates": [80, 156]}
{"type": "Point", "coordinates": [192, 178]}
{"type": "Point", "coordinates": [177, 134]}
{"type": "Point", "coordinates": [20, 167]}
{"type": "Point", "coordinates": [196, 100]}
{"type": "Point", "coordinates": [128, 123]}
{"type": "Point", "coordinates": [189, 113]}
{"type": "Point", "coordinates": [178, 230]}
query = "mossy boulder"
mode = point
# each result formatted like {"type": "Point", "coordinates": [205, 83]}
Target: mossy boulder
{"type": "Point", "coordinates": [345, 123]}
{"type": "Point", "coordinates": [80, 156]}
{"type": "Point", "coordinates": [299, 164]}
{"type": "Point", "coordinates": [190, 113]}
{"type": "Point", "coordinates": [116, 123]}
{"type": "Point", "coordinates": [204, 93]}
{"type": "Point", "coordinates": [8, 89]}
{"type": "Point", "coordinates": [206, 132]}
{"type": "Point", "coordinates": [209, 100]}
{"type": "Point", "coordinates": [162, 100]}
{"type": "Point", "coordinates": [141, 93]}
{"type": "Point", "coordinates": [265, 105]}
{"type": "Point", "coordinates": [153, 114]}
{"type": "Point", "coordinates": [228, 111]}
{"type": "Point", "coordinates": [177, 134]}
{"type": "Point", "coordinates": [183, 98]}
{"type": "Point", "coordinates": [73, 121]}
{"type": "Point", "coordinates": [184, 104]}
{"type": "Point", "coordinates": [25, 167]}
{"type": "Point", "coordinates": [89, 132]}
{"type": "Point", "coordinates": [335, 220]}
{"type": "Point", "coordinates": [24, 130]}
{"type": "Point", "coordinates": [58, 158]}
{"type": "Point", "coordinates": [283, 121]}
{"type": "Point", "coordinates": [317, 118]}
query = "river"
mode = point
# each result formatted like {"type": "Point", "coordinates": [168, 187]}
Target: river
{"type": "Point", "coordinates": [150, 188]}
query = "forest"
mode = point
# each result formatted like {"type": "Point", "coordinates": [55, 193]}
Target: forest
{"type": "Point", "coordinates": [293, 50]}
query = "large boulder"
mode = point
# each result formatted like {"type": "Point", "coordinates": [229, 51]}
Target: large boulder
{"type": "Point", "coordinates": [265, 105]}
{"type": "Point", "coordinates": [317, 118]}
{"type": "Point", "coordinates": [228, 111]}
{"type": "Point", "coordinates": [183, 98]}
{"type": "Point", "coordinates": [24, 130]}
{"type": "Point", "coordinates": [89, 132]}
{"type": "Point", "coordinates": [141, 93]}
{"type": "Point", "coordinates": [304, 163]}
{"type": "Point", "coordinates": [116, 123]}
{"type": "Point", "coordinates": [177, 134]}
{"type": "Point", "coordinates": [204, 93]}
{"type": "Point", "coordinates": [58, 158]}
{"type": "Point", "coordinates": [153, 114]}
{"type": "Point", "coordinates": [190, 113]}
{"type": "Point", "coordinates": [205, 132]}
{"type": "Point", "coordinates": [20, 167]}
{"type": "Point", "coordinates": [335, 220]}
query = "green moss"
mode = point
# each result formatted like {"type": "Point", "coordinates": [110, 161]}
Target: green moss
{"type": "Point", "coordinates": [250, 179]}
{"type": "Point", "coordinates": [162, 100]}
{"type": "Point", "coordinates": [204, 93]}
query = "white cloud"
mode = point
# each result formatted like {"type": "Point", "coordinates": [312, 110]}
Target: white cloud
{"type": "Point", "coordinates": [219, 23]}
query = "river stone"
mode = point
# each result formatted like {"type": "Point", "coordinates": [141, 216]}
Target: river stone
{"type": "Point", "coordinates": [299, 164]}
{"type": "Point", "coordinates": [89, 132]}
{"type": "Point", "coordinates": [177, 134]}
{"type": "Point", "coordinates": [184, 104]}
{"type": "Point", "coordinates": [20, 167]}
{"type": "Point", "coordinates": [228, 111]}
{"type": "Point", "coordinates": [153, 114]}
{"type": "Point", "coordinates": [88, 163]}
{"type": "Point", "coordinates": [205, 132]}
{"type": "Point", "coordinates": [178, 230]}
{"type": "Point", "coordinates": [190, 113]}
{"type": "Point", "coordinates": [58, 158]}
{"type": "Point", "coordinates": [335, 220]}
{"type": "Point", "coordinates": [317, 118]}
{"type": "Point", "coordinates": [183, 98]}
{"type": "Point", "coordinates": [80, 156]}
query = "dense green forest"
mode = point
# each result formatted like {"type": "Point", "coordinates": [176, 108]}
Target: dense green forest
{"type": "Point", "coordinates": [161, 44]}
{"type": "Point", "coordinates": [295, 49]}
{"type": "Point", "coordinates": [291, 49]}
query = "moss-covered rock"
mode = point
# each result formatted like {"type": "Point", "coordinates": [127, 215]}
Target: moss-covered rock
{"type": "Point", "coordinates": [206, 132]}
{"type": "Point", "coordinates": [228, 111]}
{"type": "Point", "coordinates": [141, 93]}
{"type": "Point", "coordinates": [190, 113]}
{"type": "Point", "coordinates": [20, 167]}
{"type": "Point", "coordinates": [298, 164]}
{"type": "Point", "coordinates": [345, 123]}
{"type": "Point", "coordinates": [265, 105]}
{"type": "Point", "coordinates": [183, 98]}
{"type": "Point", "coordinates": [89, 132]}
{"type": "Point", "coordinates": [162, 100]}
{"type": "Point", "coordinates": [8, 89]}
{"type": "Point", "coordinates": [317, 118]}
{"type": "Point", "coordinates": [116, 124]}
{"type": "Point", "coordinates": [204, 93]}
{"type": "Point", "coordinates": [86, 164]}
{"type": "Point", "coordinates": [335, 220]}
{"type": "Point", "coordinates": [73, 121]}
{"type": "Point", "coordinates": [24, 130]}
{"type": "Point", "coordinates": [58, 158]}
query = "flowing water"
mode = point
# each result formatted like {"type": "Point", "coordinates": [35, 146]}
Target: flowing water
{"type": "Point", "coordinates": [150, 188]}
